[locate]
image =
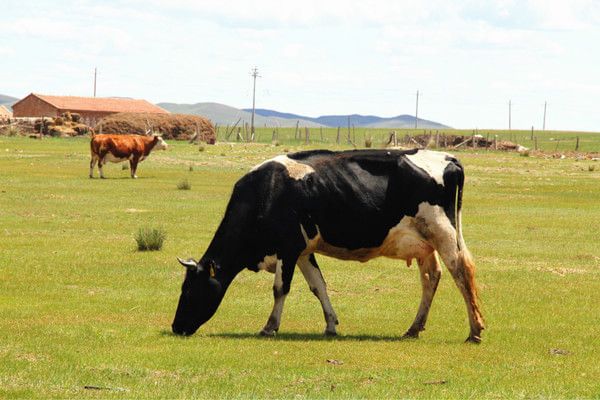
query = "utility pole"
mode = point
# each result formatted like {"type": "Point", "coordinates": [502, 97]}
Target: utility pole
{"type": "Point", "coordinates": [509, 114]}
{"type": "Point", "coordinates": [95, 73]}
{"type": "Point", "coordinates": [544, 124]}
{"type": "Point", "coordinates": [254, 76]}
{"type": "Point", "coordinates": [417, 111]}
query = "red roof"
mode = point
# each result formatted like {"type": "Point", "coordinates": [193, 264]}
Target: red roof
{"type": "Point", "coordinates": [100, 104]}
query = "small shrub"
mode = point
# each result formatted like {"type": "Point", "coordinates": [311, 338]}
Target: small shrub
{"type": "Point", "coordinates": [13, 131]}
{"type": "Point", "coordinates": [191, 168]}
{"type": "Point", "coordinates": [184, 185]}
{"type": "Point", "coordinates": [124, 166]}
{"type": "Point", "coordinates": [368, 142]}
{"type": "Point", "coordinates": [202, 146]}
{"type": "Point", "coordinates": [150, 238]}
{"type": "Point", "coordinates": [591, 168]}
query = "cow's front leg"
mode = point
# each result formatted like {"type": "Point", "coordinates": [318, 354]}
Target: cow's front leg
{"type": "Point", "coordinates": [284, 271]}
{"type": "Point", "coordinates": [133, 163]}
{"type": "Point", "coordinates": [310, 269]}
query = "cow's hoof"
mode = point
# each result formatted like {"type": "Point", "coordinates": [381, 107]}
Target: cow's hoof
{"type": "Point", "coordinates": [473, 339]}
{"type": "Point", "coordinates": [268, 332]}
{"type": "Point", "coordinates": [329, 333]}
{"type": "Point", "coordinates": [410, 335]}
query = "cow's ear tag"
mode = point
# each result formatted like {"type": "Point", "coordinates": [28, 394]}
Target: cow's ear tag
{"type": "Point", "coordinates": [212, 269]}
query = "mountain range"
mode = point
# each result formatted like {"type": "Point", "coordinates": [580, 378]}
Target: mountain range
{"type": "Point", "coordinates": [7, 101]}
{"type": "Point", "coordinates": [226, 115]}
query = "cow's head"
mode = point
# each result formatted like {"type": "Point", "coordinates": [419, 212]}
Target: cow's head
{"type": "Point", "coordinates": [160, 144]}
{"type": "Point", "coordinates": [201, 295]}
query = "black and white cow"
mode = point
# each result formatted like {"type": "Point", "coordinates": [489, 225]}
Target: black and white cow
{"type": "Point", "coordinates": [351, 205]}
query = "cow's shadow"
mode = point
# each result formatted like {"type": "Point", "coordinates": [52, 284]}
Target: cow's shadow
{"type": "Point", "coordinates": [299, 337]}
{"type": "Point", "coordinates": [302, 337]}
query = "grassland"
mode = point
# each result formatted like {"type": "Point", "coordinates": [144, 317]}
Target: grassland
{"type": "Point", "coordinates": [85, 315]}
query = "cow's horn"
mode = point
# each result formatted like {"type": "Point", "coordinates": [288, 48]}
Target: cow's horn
{"type": "Point", "coordinates": [191, 263]}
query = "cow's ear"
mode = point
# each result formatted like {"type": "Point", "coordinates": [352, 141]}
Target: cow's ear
{"type": "Point", "coordinates": [190, 264]}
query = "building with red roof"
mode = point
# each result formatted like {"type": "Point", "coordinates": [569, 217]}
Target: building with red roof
{"type": "Point", "coordinates": [91, 109]}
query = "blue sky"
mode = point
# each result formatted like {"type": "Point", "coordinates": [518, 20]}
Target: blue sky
{"type": "Point", "coordinates": [467, 58]}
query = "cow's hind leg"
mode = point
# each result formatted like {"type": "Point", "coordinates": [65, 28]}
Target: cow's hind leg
{"type": "Point", "coordinates": [284, 271]}
{"type": "Point", "coordinates": [462, 268]}
{"type": "Point", "coordinates": [93, 162]}
{"type": "Point", "coordinates": [310, 269]}
{"type": "Point", "coordinates": [430, 272]}
{"type": "Point", "coordinates": [101, 162]}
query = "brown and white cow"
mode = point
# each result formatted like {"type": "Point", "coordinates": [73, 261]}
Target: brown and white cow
{"type": "Point", "coordinates": [119, 148]}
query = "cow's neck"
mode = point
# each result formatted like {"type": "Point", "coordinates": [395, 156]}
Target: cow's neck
{"type": "Point", "coordinates": [150, 143]}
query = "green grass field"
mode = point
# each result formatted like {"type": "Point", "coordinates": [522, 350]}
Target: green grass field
{"type": "Point", "coordinates": [85, 315]}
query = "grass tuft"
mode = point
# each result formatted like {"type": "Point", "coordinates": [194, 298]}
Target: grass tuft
{"type": "Point", "coordinates": [150, 238]}
{"type": "Point", "coordinates": [184, 185]}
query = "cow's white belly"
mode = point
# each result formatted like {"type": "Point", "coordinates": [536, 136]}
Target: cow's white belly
{"type": "Point", "coordinates": [404, 241]}
{"type": "Point", "coordinates": [110, 157]}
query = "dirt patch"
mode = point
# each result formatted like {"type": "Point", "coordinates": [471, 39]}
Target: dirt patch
{"type": "Point", "coordinates": [170, 126]}
{"type": "Point", "coordinates": [561, 271]}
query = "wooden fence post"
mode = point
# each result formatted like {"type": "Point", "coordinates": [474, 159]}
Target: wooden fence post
{"type": "Point", "coordinates": [577, 144]}
{"type": "Point", "coordinates": [337, 140]}
{"type": "Point", "coordinates": [306, 135]}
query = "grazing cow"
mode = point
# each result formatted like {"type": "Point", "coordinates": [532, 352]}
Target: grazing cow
{"type": "Point", "coordinates": [351, 205]}
{"type": "Point", "coordinates": [119, 148]}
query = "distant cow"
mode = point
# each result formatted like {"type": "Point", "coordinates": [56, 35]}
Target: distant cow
{"type": "Point", "coordinates": [119, 148]}
{"type": "Point", "coordinates": [351, 205]}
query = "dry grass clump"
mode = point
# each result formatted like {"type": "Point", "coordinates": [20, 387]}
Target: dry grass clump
{"type": "Point", "coordinates": [170, 126]}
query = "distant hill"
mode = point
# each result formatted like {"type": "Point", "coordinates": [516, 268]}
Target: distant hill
{"type": "Point", "coordinates": [367, 121]}
{"type": "Point", "coordinates": [7, 101]}
{"type": "Point", "coordinates": [225, 115]}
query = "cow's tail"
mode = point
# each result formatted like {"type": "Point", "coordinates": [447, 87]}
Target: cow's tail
{"type": "Point", "coordinates": [464, 255]}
